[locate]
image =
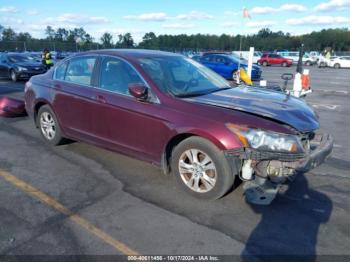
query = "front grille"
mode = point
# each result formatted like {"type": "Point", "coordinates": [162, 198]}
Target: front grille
{"type": "Point", "coordinates": [253, 154]}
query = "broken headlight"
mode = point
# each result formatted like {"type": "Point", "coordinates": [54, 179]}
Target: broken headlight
{"type": "Point", "coordinates": [267, 140]}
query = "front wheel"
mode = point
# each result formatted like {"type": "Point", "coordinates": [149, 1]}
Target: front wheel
{"type": "Point", "coordinates": [284, 64]}
{"type": "Point", "coordinates": [48, 125]}
{"type": "Point", "coordinates": [337, 66]}
{"type": "Point", "coordinates": [265, 63]}
{"type": "Point", "coordinates": [201, 169]}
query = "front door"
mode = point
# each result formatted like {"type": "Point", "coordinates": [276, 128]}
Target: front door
{"type": "Point", "coordinates": [126, 124]}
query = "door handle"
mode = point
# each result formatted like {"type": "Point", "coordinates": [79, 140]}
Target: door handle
{"type": "Point", "coordinates": [101, 99]}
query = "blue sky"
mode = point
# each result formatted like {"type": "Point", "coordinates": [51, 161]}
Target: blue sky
{"type": "Point", "coordinates": [174, 16]}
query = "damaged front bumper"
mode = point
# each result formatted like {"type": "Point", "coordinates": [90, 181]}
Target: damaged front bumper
{"type": "Point", "coordinates": [264, 185]}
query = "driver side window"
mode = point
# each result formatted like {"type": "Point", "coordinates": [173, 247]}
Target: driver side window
{"type": "Point", "coordinates": [116, 75]}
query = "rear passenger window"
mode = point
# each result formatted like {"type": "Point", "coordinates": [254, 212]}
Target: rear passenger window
{"type": "Point", "coordinates": [61, 71]}
{"type": "Point", "coordinates": [80, 70]}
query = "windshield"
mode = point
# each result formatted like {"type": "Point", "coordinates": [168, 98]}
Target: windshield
{"type": "Point", "coordinates": [181, 76]}
{"type": "Point", "coordinates": [19, 58]}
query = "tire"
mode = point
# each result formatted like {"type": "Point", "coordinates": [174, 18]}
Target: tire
{"type": "Point", "coordinates": [322, 64]}
{"type": "Point", "coordinates": [307, 63]}
{"type": "Point", "coordinates": [265, 63]}
{"type": "Point", "coordinates": [49, 126]}
{"type": "Point", "coordinates": [337, 66]}
{"type": "Point", "coordinates": [13, 76]}
{"type": "Point", "coordinates": [284, 64]}
{"type": "Point", "coordinates": [213, 182]}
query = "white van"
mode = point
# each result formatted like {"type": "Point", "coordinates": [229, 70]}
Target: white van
{"type": "Point", "coordinates": [307, 59]}
{"type": "Point", "coordinates": [245, 54]}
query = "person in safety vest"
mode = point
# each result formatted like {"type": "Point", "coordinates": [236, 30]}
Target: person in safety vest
{"type": "Point", "coordinates": [47, 59]}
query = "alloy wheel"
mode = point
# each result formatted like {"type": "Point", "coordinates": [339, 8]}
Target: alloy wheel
{"type": "Point", "coordinates": [48, 125]}
{"type": "Point", "coordinates": [13, 76]}
{"type": "Point", "coordinates": [197, 171]}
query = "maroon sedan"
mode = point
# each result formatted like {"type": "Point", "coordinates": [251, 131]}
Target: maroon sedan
{"type": "Point", "coordinates": [176, 113]}
{"type": "Point", "coordinates": [274, 59]}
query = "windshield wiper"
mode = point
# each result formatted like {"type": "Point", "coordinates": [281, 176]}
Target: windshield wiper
{"type": "Point", "coordinates": [202, 93]}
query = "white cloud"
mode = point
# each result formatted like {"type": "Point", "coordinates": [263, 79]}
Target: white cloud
{"type": "Point", "coordinates": [178, 26]}
{"type": "Point", "coordinates": [263, 10]}
{"type": "Point", "coordinates": [318, 20]}
{"type": "Point", "coordinates": [229, 24]}
{"type": "Point", "coordinates": [8, 9]}
{"type": "Point", "coordinates": [232, 13]}
{"type": "Point", "coordinates": [33, 12]}
{"type": "Point", "coordinates": [265, 23]}
{"type": "Point", "coordinates": [286, 7]}
{"type": "Point", "coordinates": [76, 20]}
{"type": "Point", "coordinates": [293, 7]}
{"type": "Point", "coordinates": [10, 21]}
{"type": "Point", "coordinates": [333, 5]}
{"type": "Point", "coordinates": [194, 15]}
{"type": "Point", "coordinates": [148, 17]}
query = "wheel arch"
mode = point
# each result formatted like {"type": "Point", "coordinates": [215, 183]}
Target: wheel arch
{"type": "Point", "coordinates": [181, 136]}
{"type": "Point", "coordinates": [37, 105]}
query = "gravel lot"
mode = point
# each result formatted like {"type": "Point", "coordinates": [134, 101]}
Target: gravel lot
{"type": "Point", "coordinates": [118, 203]}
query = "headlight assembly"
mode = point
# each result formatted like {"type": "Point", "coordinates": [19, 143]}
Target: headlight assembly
{"type": "Point", "coordinates": [266, 140]}
{"type": "Point", "coordinates": [21, 68]}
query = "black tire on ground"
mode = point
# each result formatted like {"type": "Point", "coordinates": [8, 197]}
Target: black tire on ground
{"type": "Point", "coordinates": [45, 112]}
{"type": "Point", "coordinates": [13, 75]}
{"type": "Point", "coordinates": [337, 66]}
{"type": "Point", "coordinates": [224, 176]}
{"type": "Point", "coordinates": [284, 64]}
{"type": "Point", "coordinates": [307, 63]}
{"type": "Point", "coordinates": [322, 64]}
{"type": "Point", "coordinates": [265, 63]}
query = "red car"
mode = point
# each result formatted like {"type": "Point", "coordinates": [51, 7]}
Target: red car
{"type": "Point", "coordinates": [274, 59]}
{"type": "Point", "coordinates": [171, 111]}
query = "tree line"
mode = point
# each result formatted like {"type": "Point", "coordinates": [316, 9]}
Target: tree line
{"type": "Point", "coordinates": [77, 38]}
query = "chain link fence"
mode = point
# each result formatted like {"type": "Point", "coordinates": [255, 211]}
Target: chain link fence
{"type": "Point", "coordinates": [39, 45]}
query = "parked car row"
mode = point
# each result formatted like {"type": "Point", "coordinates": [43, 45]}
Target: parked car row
{"type": "Point", "coordinates": [17, 66]}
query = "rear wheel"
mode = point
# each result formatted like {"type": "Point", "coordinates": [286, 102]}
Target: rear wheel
{"type": "Point", "coordinates": [284, 64]}
{"type": "Point", "coordinates": [265, 63]}
{"type": "Point", "coordinates": [307, 63]}
{"type": "Point", "coordinates": [13, 76]}
{"type": "Point", "coordinates": [201, 169]}
{"type": "Point", "coordinates": [49, 127]}
{"type": "Point", "coordinates": [336, 66]}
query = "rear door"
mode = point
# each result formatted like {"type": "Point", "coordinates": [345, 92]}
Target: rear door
{"type": "Point", "coordinates": [223, 66]}
{"type": "Point", "coordinates": [209, 61]}
{"type": "Point", "coordinates": [75, 94]}
{"type": "Point", "coordinates": [345, 62]}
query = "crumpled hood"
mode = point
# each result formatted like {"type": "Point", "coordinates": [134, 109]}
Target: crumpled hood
{"type": "Point", "coordinates": [278, 106]}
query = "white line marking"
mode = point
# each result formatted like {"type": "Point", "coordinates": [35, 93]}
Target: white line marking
{"type": "Point", "coordinates": [332, 91]}
{"type": "Point", "coordinates": [327, 106]}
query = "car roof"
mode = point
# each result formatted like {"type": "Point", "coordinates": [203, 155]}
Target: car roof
{"type": "Point", "coordinates": [131, 53]}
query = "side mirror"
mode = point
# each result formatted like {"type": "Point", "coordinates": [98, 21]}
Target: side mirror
{"type": "Point", "coordinates": [138, 90]}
